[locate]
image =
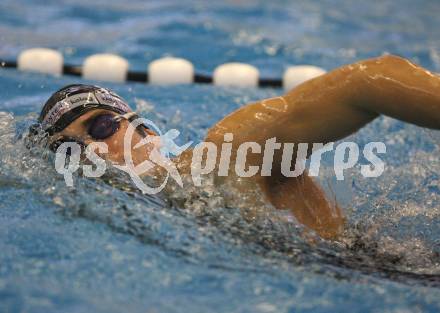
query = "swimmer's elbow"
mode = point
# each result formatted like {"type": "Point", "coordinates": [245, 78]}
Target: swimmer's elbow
{"type": "Point", "coordinates": [386, 59]}
{"type": "Point", "coordinates": [391, 58]}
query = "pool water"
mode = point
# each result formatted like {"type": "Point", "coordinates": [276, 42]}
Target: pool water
{"type": "Point", "coordinates": [97, 248]}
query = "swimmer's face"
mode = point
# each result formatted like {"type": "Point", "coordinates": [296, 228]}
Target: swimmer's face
{"type": "Point", "coordinates": [100, 126]}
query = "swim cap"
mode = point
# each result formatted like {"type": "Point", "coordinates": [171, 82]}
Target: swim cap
{"type": "Point", "coordinates": [72, 101]}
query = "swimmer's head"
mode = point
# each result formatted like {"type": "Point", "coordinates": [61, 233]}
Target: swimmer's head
{"type": "Point", "coordinates": [86, 114]}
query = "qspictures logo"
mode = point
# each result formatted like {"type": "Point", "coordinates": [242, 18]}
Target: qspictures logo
{"type": "Point", "coordinates": [205, 158]}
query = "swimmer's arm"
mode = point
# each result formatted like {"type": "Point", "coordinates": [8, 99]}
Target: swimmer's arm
{"type": "Point", "coordinates": [338, 103]}
{"type": "Point", "coordinates": [326, 109]}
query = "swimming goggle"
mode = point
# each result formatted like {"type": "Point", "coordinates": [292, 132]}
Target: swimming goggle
{"type": "Point", "coordinates": [101, 127]}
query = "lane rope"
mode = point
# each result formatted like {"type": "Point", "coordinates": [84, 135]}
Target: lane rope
{"type": "Point", "coordinates": [163, 71]}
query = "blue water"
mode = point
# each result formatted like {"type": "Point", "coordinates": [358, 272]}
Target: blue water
{"type": "Point", "coordinates": [97, 248]}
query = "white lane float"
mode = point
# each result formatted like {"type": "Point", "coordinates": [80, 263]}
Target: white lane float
{"type": "Point", "coordinates": [105, 67]}
{"type": "Point", "coordinates": [170, 71]}
{"type": "Point", "coordinates": [41, 60]}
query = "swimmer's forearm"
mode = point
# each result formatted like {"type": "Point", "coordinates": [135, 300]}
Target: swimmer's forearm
{"type": "Point", "coordinates": [347, 98]}
{"type": "Point", "coordinates": [395, 87]}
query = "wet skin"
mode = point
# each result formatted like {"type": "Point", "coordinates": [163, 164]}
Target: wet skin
{"type": "Point", "coordinates": [324, 109]}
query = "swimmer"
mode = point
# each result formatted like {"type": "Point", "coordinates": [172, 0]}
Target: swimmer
{"type": "Point", "coordinates": [321, 110]}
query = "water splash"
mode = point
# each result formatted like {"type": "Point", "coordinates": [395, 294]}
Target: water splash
{"type": "Point", "coordinates": [391, 231]}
